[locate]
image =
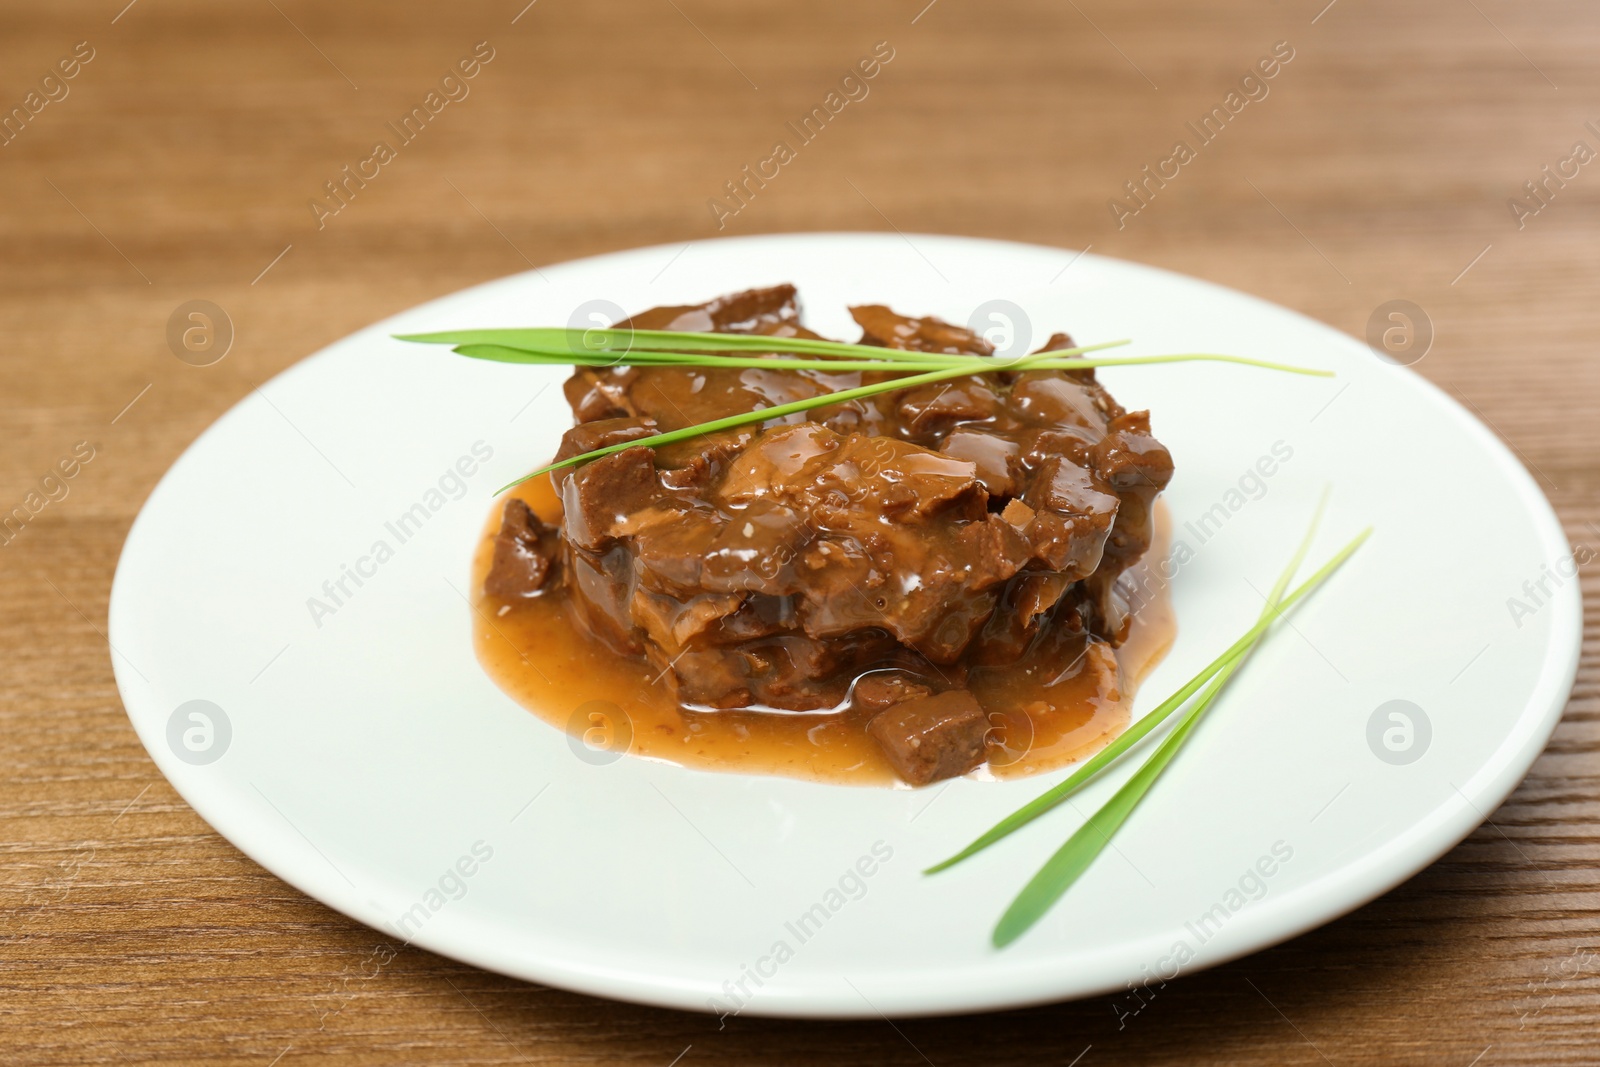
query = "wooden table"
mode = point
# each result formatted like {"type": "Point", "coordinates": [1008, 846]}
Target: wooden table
{"type": "Point", "coordinates": [178, 163]}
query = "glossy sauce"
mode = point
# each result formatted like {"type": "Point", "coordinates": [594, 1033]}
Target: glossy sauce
{"type": "Point", "coordinates": [1050, 708]}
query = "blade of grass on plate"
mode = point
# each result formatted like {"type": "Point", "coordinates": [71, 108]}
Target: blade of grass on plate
{"type": "Point", "coordinates": [1135, 733]}
{"type": "Point", "coordinates": [1083, 847]}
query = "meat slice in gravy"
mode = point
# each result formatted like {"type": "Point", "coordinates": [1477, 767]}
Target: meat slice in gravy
{"type": "Point", "coordinates": [932, 737]}
{"type": "Point", "coordinates": [877, 690]}
{"type": "Point", "coordinates": [524, 554]}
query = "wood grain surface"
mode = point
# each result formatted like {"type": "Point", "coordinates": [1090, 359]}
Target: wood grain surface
{"type": "Point", "coordinates": [178, 163]}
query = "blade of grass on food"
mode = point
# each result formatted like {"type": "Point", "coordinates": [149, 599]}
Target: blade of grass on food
{"type": "Point", "coordinates": [694, 347]}
{"type": "Point", "coordinates": [636, 358]}
{"type": "Point", "coordinates": [1061, 359]}
{"type": "Point", "coordinates": [1037, 361]}
{"type": "Point", "coordinates": [1081, 849]}
{"type": "Point", "coordinates": [599, 341]}
{"type": "Point", "coordinates": [760, 415]}
{"type": "Point", "coordinates": [744, 419]}
{"type": "Point", "coordinates": [1136, 733]}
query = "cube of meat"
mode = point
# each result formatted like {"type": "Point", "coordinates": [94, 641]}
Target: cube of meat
{"type": "Point", "coordinates": [882, 689]}
{"type": "Point", "coordinates": [602, 433]}
{"type": "Point", "coordinates": [524, 554]}
{"type": "Point", "coordinates": [1075, 516]}
{"type": "Point", "coordinates": [602, 496]}
{"type": "Point", "coordinates": [881, 326]}
{"type": "Point", "coordinates": [932, 737]}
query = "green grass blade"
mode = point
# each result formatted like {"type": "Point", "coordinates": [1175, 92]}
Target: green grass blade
{"type": "Point", "coordinates": [1275, 595]}
{"type": "Point", "coordinates": [636, 358]}
{"type": "Point", "coordinates": [760, 415]}
{"type": "Point", "coordinates": [1080, 850]}
{"type": "Point", "coordinates": [746, 418]}
{"type": "Point", "coordinates": [1060, 360]}
{"type": "Point", "coordinates": [763, 415]}
{"type": "Point", "coordinates": [602, 341]}
{"type": "Point", "coordinates": [1083, 847]}
{"type": "Point", "coordinates": [1137, 732]}
{"type": "Point", "coordinates": [580, 346]}
{"type": "Point", "coordinates": [1181, 357]}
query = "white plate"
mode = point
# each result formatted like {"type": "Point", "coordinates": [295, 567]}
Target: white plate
{"type": "Point", "coordinates": [367, 757]}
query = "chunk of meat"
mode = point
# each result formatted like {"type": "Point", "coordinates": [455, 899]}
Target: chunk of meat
{"type": "Point", "coordinates": [1075, 443]}
{"type": "Point", "coordinates": [1128, 457]}
{"type": "Point", "coordinates": [699, 463]}
{"type": "Point", "coordinates": [935, 406]}
{"type": "Point", "coordinates": [994, 457]}
{"type": "Point", "coordinates": [602, 433]}
{"type": "Point", "coordinates": [602, 586]}
{"type": "Point", "coordinates": [598, 394]}
{"type": "Point", "coordinates": [1138, 467]}
{"type": "Point", "coordinates": [788, 671]}
{"type": "Point", "coordinates": [772, 310]}
{"type": "Point", "coordinates": [603, 495]}
{"type": "Point", "coordinates": [1061, 485]}
{"type": "Point", "coordinates": [771, 466]}
{"type": "Point", "coordinates": [524, 554]}
{"type": "Point", "coordinates": [889, 329]}
{"type": "Point", "coordinates": [1075, 515]}
{"type": "Point", "coordinates": [682, 552]}
{"type": "Point", "coordinates": [898, 480]}
{"type": "Point", "coordinates": [1017, 619]}
{"type": "Point", "coordinates": [931, 588]}
{"type": "Point", "coordinates": [1017, 513]}
{"type": "Point", "coordinates": [677, 397]}
{"type": "Point", "coordinates": [673, 623]}
{"type": "Point", "coordinates": [877, 690]}
{"type": "Point", "coordinates": [760, 615]}
{"type": "Point", "coordinates": [1057, 342]}
{"type": "Point", "coordinates": [811, 468]}
{"type": "Point", "coordinates": [1055, 399]}
{"type": "Point", "coordinates": [932, 737]}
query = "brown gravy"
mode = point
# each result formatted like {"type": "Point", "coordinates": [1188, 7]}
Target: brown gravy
{"type": "Point", "coordinates": [1048, 710]}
